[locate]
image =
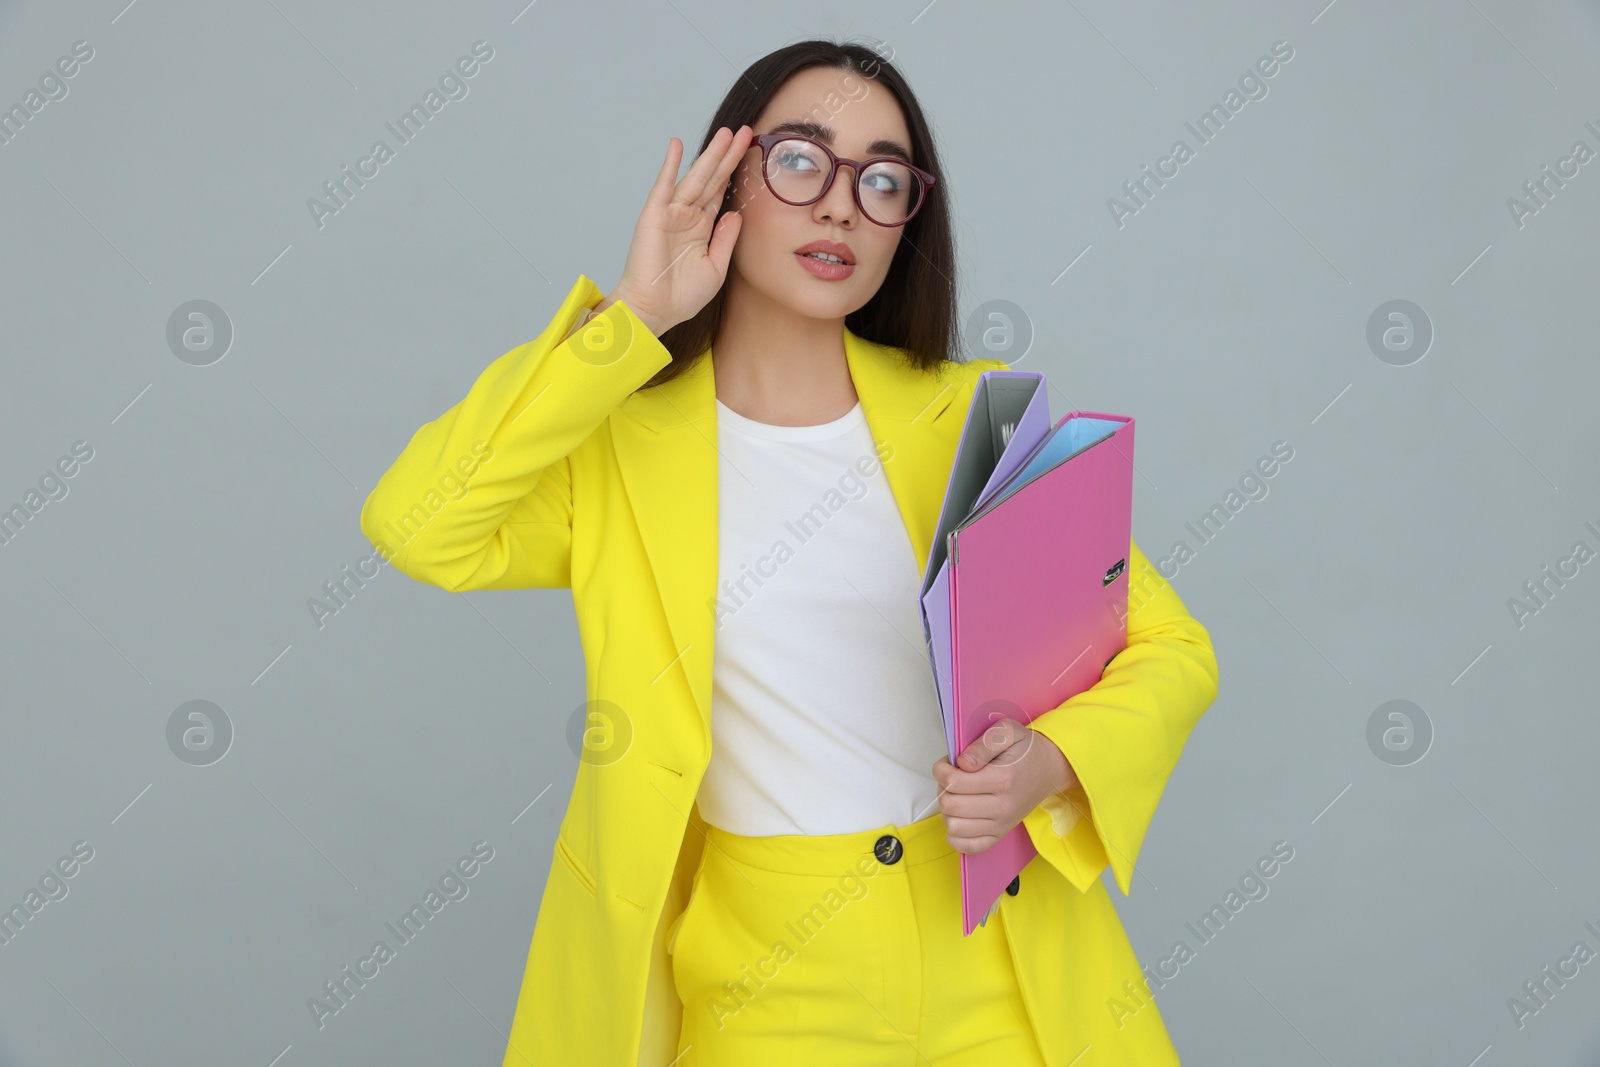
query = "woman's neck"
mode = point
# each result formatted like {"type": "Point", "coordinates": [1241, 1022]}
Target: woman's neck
{"type": "Point", "coordinates": [775, 365]}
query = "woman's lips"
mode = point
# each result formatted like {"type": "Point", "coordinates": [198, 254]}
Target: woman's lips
{"type": "Point", "coordinates": [827, 271]}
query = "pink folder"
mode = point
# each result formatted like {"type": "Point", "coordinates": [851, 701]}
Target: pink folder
{"type": "Point", "coordinates": [1026, 595]}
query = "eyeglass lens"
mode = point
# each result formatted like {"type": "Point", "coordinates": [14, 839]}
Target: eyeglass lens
{"type": "Point", "coordinates": [797, 170]}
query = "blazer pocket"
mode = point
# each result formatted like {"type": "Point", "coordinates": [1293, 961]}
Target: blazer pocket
{"type": "Point", "coordinates": [573, 864]}
{"type": "Point", "coordinates": [940, 405]}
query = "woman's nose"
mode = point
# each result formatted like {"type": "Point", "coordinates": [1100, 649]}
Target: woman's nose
{"type": "Point", "coordinates": [838, 204]}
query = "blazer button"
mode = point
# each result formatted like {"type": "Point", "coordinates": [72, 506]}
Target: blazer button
{"type": "Point", "coordinates": [1015, 886]}
{"type": "Point", "coordinates": [888, 849]}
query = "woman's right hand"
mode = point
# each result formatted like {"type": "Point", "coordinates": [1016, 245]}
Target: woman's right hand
{"type": "Point", "coordinates": [680, 251]}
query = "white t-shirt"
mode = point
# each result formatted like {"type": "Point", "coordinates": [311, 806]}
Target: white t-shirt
{"type": "Point", "coordinates": [824, 716]}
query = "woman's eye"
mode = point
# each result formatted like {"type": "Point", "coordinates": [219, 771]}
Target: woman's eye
{"type": "Point", "coordinates": [794, 161]}
{"type": "Point", "coordinates": [882, 183]}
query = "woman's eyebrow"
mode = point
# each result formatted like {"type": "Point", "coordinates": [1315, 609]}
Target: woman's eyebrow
{"type": "Point", "coordinates": [825, 134]}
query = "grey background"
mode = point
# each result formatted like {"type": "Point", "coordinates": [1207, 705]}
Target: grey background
{"type": "Point", "coordinates": [1228, 314]}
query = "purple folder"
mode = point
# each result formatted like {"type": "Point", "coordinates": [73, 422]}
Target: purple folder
{"type": "Point", "coordinates": [1025, 599]}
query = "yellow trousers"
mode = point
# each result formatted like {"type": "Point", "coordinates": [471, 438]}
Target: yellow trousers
{"type": "Point", "coordinates": [842, 949]}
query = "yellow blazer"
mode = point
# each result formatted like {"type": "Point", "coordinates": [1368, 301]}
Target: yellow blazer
{"type": "Point", "coordinates": [554, 471]}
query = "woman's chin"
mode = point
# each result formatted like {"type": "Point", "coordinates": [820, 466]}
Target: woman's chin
{"type": "Point", "coordinates": [807, 296]}
{"type": "Point", "coordinates": [818, 299]}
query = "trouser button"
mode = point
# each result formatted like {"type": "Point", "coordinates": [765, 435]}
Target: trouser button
{"type": "Point", "coordinates": [888, 849]}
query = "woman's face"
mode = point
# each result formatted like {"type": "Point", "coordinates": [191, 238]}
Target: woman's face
{"type": "Point", "coordinates": [852, 112]}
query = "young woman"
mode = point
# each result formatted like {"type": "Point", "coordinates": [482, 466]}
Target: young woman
{"type": "Point", "coordinates": [736, 460]}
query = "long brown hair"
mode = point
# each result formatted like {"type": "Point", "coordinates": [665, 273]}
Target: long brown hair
{"type": "Point", "coordinates": [915, 307]}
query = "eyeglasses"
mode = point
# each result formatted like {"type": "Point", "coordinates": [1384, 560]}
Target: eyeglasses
{"type": "Point", "coordinates": [800, 171]}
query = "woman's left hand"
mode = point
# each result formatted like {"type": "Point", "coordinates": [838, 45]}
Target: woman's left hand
{"type": "Point", "coordinates": [997, 781]}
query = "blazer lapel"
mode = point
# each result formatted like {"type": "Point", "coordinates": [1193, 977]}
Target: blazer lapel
{"type": "Point", "coordinates": [666, 447]}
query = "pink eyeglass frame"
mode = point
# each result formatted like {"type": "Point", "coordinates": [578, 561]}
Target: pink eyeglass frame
{"type": "Point", "coordinates": [767, 140]}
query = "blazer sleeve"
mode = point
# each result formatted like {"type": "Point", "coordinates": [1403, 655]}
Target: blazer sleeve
{"type": "Point", "coordinates": [481, 497]}
{"type": "Point", "coordinates": [1123, 735]}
